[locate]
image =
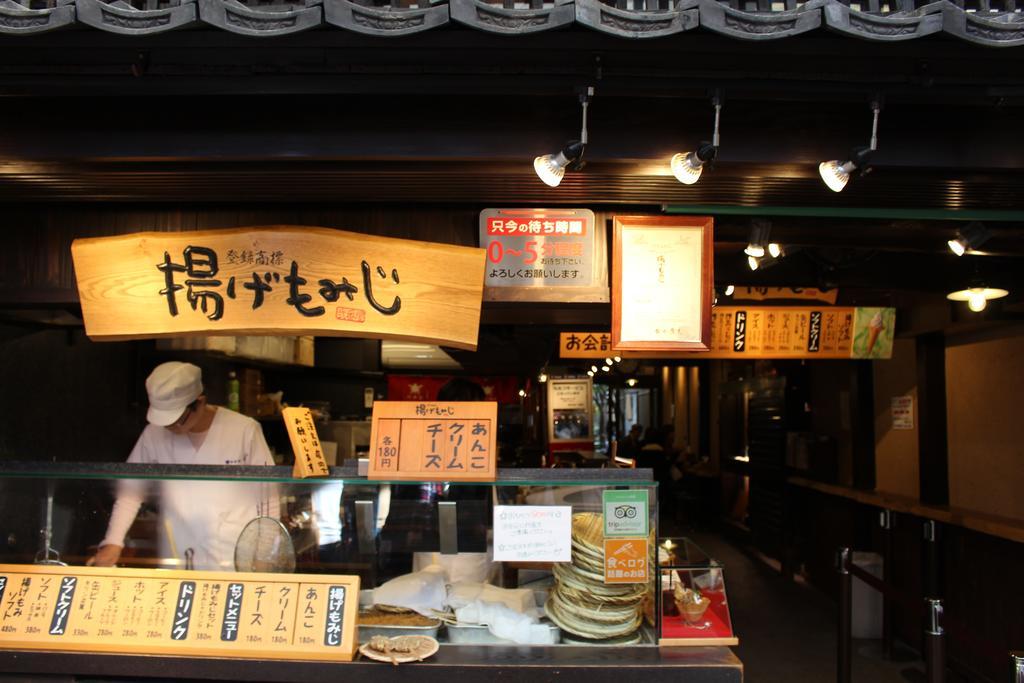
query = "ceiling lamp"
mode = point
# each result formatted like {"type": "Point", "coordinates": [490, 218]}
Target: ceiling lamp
{"type": "Point", "coordinates": [730, 290]}
{"type": "Point", "coordinates": [836, 174]}
{"type": "Point", "coordinates": [551, 167]}
{"type": "Point", "coordinates": [968, 238]}
{"type": "Point", "coordinates": [977, 297]}
{"type": "Point", "coordinates": [688, 166]}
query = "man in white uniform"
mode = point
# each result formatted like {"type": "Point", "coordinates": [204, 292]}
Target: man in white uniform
{"type": "Point", "coordinates": [201, 519]}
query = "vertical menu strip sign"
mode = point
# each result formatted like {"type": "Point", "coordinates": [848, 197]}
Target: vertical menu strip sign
{"type": "Point", "coordinates": [433, 441]}
{"type": "Point", "coordinates": [309, 455]}
{"type": "Point", "coordinates": [203, 614]}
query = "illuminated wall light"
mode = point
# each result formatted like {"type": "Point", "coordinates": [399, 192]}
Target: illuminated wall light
{"type": "Point", "coordinates": [631, 382]}
{"type": "Point", "coordinates": [590, 373]}
{"type": "Point", "coordinates": [730, 290]}
{"type": "Point", "coordinates": [753, 262]}
{"type": "Point", "coordinates": [775, 250]}
{"type": "Point", "coordinates": [608, 361]}
{"type": "Point", "coordinates": [606, 368]}
{"type": "Point", "coordinates": [617, 359]}
{"type": "Point", "coordinates": [542, 378]}
{"type": "Point", "coordinates": [522, 393]}
{"type": "Point", "coordinates": [593, 368]}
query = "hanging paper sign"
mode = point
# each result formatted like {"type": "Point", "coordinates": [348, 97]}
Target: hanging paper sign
{"type": "Point", "coordinates": [544, 255]}
{"type": "Point", "coordinates": [309, 455]}
{"type": "Point", "coordinates": [902, 411]}
{"type": "Point", "coordinates": [434, 441]}
{"type": "Point", "coordinates": [828, 296]}
{"type": "Point", "coordinates": [199, 614]}
{"type": "Point", "coordinates": [282, 280]}
{"type": "Point", "coordinates": [786, 332]}
{"type": "Point", "coordinates": [532, 533]}
{"type": "Point", "coordinates": [663, 283]}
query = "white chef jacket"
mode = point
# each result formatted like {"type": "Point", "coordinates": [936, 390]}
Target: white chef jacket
{"type": "Point", "coordinates": [205, 517]}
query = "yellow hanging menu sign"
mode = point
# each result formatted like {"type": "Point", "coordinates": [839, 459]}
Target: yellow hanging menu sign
{"type": "Point", "coordinates": [770, 332]}
{"type": "Point", "coordinates": [202, 614]}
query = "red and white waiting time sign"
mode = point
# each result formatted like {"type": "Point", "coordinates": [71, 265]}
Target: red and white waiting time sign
{"type": "Point", "coordinates": [544, 255]}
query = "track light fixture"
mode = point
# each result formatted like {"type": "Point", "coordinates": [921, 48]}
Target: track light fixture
{"type": "Point", "coordinates": [551, 167]}
{"type": "Point", "coordinates": [687, 167]}
{"type": "Point", "coordinates": [836, 174]}
{"type": "Point", "coordinates": [969, 237]}
{"type": "Point", "coordinates": [758, 240]}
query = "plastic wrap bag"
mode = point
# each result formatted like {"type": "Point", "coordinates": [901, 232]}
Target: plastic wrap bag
{"type": "Point", "coordinates": [521, 600]}
{"type": "Point", "coordinates": [505, 623]}
{"type": "Point", "coordinates": [422, 591]}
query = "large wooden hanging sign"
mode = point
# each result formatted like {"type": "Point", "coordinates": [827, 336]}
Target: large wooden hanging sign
{"type": "Point", "coordinates": [199, 614]}
{"type": "Point", "coordinates": [663, 283]}
{"type": "Point", "coordinates": [279, 280]}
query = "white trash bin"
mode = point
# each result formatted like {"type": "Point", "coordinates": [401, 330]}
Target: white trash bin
{"type": "Point", "coordinates": [867, 602]}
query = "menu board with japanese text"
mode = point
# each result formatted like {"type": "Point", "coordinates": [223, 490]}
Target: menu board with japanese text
{"type": "Point", "coordinates": [291, 280]}
{"type": "Point", "coordinates": [771, 332]}
{"type": "Point", "coordinates": [570, 410]}
{"type": "Point", "coordinates": [434, 441]}
{"type": "Point", "coordinates": [202, 614]}
{"type": "Point", "coordinates": [309, 455]}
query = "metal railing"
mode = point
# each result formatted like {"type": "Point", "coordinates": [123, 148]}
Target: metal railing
{"type": "Point", "coordinates": [930, 609]}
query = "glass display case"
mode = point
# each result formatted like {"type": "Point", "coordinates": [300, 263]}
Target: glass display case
{"type": "Point", "coordinates": [693, 606]}
{"type": "Point", "coordinates": [429, 555]}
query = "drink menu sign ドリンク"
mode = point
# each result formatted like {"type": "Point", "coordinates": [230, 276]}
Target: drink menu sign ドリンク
{"type": "Point", "coordinates": [281, 280]}
{"type": "Point", "coordinates": [434, 441]}
{"type": "Point", "coordinates": [203, 614]}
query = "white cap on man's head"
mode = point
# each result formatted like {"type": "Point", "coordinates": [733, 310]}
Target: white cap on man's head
{"type": "Point", "coordinates": [171, 387]}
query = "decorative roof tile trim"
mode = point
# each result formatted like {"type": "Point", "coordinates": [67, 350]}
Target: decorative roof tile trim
{"type": "Point", "coordinates": [497, 19]}
{"type": "Point", "coordinates": [637, 24]}
{"type": "Point", "coordinates": [1003, 29]}
{"type": "Point", "coordinates": [383, 21]}
{"type": "Point", "coordinates": [721, 18]}
{"type": "Point", "coordinates": [883, 27]}
{"type": "Point", "coordinates": [127, 20]}
{"type": "Point", "coordinates": [15, 19]}
{"type": "Point", "coordinates": [233, 16]}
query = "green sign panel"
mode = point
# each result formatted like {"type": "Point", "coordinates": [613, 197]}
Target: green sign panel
{"type": "Point", "coordinates": [625, 513]}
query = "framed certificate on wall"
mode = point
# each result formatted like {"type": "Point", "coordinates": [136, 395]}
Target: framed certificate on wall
{"type": "Point", "coordinates": [662, 283]}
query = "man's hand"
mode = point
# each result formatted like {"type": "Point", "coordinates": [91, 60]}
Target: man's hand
{"type": "Point", "coordinates": [106, 556]}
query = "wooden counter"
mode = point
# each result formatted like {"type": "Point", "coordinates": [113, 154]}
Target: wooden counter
{"type": "Point", "coordinates": [993, 525]}
{"type": "Point", "coordinates": [508, 664]}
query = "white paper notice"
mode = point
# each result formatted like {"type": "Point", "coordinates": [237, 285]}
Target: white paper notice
{"type": "Point", "coordinates": [532, 533]}
{"type": "Point", "coordinates": [902, 408]}
{"type": "Point", "coordinates": [661, 288]}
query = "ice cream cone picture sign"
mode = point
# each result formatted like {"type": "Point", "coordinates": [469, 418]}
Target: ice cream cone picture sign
{"type": "Point", "coordinates": [873, 332]}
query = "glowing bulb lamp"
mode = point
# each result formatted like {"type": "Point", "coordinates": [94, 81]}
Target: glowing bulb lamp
{"type": "Point", "coordinates": [977, 297]}
{"type": "Point", "coordinates": [835, 173]}
{"type": "Point", "coordinates": [970, 237]}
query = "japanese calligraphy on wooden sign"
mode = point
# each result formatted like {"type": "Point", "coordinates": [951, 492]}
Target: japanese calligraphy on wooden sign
{"type": "Point", "coordinates": [626, 560]}
{"type": "Point", "coordinates": [309, 456]}
{"type": "Point", "coordinates": [828, 296]}
{"type": "Point", "coordinates": [663, 283]}
{"type": "Point", "coordinates": [203, 614]}
{"type": "Point", "coordinates": [771, 332]}
{"type": "Point", "coordinates": [570, 410]}
{"type": "Point", "coordinates": [434, 441]}
{"type": "Point", "coordinates": [544, 255]}
{"type": "Point", "coordinates": [279, 280]}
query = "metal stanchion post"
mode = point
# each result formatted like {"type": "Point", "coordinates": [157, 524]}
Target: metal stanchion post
{"type": "Point", "coordinates": [844, 644]}
{"type": "Point", "coordinates": [1017, 667]}
{"type": "Point", "coordinates": [931, 562]}
{"type": "Point", "coordinates": [886, 522]}
{"type": "Point", "coordinates": [934, 643]}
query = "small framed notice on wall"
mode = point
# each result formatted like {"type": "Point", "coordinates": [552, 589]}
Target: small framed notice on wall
{"type": "Point", "coordinates": [662, 283]}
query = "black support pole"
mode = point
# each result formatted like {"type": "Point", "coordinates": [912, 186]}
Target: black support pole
{"type": "Point", "coordinates": [886, 520]}
{"type": "Point", "coordinates": [934, 643]}
{"type": "Point", "coordinates": [844, 643]}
